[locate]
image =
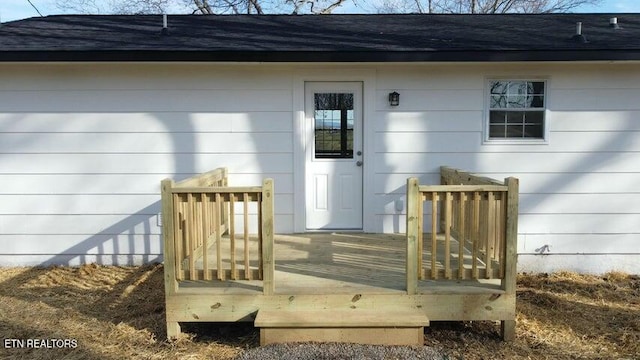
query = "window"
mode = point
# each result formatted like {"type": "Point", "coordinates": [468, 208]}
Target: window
{"type": "Point", "coordinates": [516, 110]}
{"type": "Point", "coordinates": [334, 120]}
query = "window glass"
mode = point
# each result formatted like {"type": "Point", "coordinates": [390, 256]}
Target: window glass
{"type": "Point", "coordinates": [334, 119]}
{"type": "Point", "coordinates": [516, 109]}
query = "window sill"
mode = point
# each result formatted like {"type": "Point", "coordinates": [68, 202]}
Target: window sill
{"type": "Point", "coordinates": [515, 142]}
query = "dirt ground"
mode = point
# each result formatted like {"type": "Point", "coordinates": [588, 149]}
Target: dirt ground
{"type": "Point", "coordinates": [118, 313]}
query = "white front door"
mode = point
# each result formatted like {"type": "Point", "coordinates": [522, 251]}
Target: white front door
{"type": "Point", "coordinates": [334, 161]}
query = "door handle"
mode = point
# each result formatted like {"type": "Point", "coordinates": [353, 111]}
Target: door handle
{"type": "Point", "coordinates": [358, 163]}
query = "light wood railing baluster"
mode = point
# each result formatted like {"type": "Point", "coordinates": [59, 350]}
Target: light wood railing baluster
{"type": "Point", "coordinates": [232, 235]}
{"type": "Point", "coordinates": [503, 225]}
{"type": "Point", "coordinates": [434, 234]}
{"type": "Point", "coordinates": [461, 234]}
{"type": "Point", "coordinates": [206, 231]}
{"type": "Point", "coordinates": [491, 233]}
{"type": "Point", "coordinates": [191, 235]}
{"type": "Point", "coordinates": [216, 218]}
{"type": "Point", "coordinates": [483, 223]}
{"type": "Point", "coordinates": [178, 225]}
{"type": "Point", "coordinates": [421, 200]}
{"type": "Point", "coordinates": [448, 206]}
{"type": "Point", "coordinates": [224, 181]}
{"type": "Point", "coordinates": [247, 269]}
{"type": "Point", "coordinates": [198, 221]}
{"type": "Point", "coordinates": [475, 237]}
{"type": "Point", "coordinates": [260, 257]}
{"type": "Point", "coordinates": [469, 217]}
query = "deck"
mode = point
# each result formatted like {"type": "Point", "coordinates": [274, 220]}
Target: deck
{"type": "Point", "coordinates": [337, 263]}
{"type": "Point", "coordinates": [340, 285]}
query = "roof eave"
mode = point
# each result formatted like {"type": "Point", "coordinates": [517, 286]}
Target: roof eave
{"type": "Point", "coordinates": [324, 56]}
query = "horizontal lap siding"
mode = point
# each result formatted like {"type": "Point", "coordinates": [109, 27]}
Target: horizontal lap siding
{"type": "Point", "coordinates": [544, 204]}
{"type": "Point", "coordinates": [102, 204]}
{"type": "Point", "coordinates": [598, 263]}
{"type": "Point", "coordinates": [437, 108]}
{"type": "Point", "coordinates": [146, 122]}
{"type": "Point", "coordinates": [109, 184]}
{"type": "Point", "coordinates": [548, 161]}
{"type": "Point", "coordinates": [471, 142]}
{"type": "Point", "coordinates": [141, 143]}
{"type": "Point", "coordinates": [145, 100]}
{"type": "Point", "coordinates": [102, 243]}
{"type": "Point", "coordinates": [579, 192]}
{"type": "Point", "coordinates": [83, 150]}
{"type": "Point", "coordinates": [134, 163]}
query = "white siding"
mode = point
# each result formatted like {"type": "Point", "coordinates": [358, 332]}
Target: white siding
{"type": "Point", "coordinates": [579, 192]}
{"type": "Point", "coordinates": [83, 149]}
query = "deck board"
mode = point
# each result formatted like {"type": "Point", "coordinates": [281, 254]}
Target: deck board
{"type": "Point", "coordinates": [333, 263]}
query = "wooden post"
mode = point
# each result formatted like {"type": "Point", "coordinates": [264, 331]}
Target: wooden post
{"type": "Point", "coordinates": [268, 263]}
{"type": "Point", "coordinates": [511, 238]}
{"type": "Point", "coordinates": [508, 327]}
{"type": "Point", "coordinates": [508, 330]}
{"type": "Point", "coordinates": [413, 201]}
{"type": "Point", "coordinates": [170, 282]}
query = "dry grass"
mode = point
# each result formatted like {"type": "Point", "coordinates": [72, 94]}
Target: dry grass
{"type": "Point", "coordinates": [112, 312]}
{"type": "Point", "coordinates": [118, 312]}
{"type": "Point", "coordinates": [559, 316]}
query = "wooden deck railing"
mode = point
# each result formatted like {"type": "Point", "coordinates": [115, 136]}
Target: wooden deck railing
{"type": "Point", "coordinates": [473, 230]}
{"type": "Point", "coordinates": [199, 222]}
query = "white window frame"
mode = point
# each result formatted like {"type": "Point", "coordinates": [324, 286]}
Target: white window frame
{"type": "Point", "coordinates": [515, 141]}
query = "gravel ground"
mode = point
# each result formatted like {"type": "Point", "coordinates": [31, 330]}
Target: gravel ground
{"type": "Point", "coordinates": [336, 351]}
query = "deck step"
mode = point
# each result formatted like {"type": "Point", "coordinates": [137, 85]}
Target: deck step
{"type": "Point", "coordinates": [380, 327]}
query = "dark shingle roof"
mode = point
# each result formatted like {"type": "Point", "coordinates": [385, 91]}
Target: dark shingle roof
{"type": "Point", "coordinates": [401, 37]}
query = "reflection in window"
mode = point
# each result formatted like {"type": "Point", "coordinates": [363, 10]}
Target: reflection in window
{"type": "Point", "coordinates": [334, 118]}
{"type": "Point", "coordinates": [516, 109]}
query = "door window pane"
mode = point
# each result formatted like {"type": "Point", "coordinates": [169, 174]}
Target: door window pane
{"type": "Point", "coordinates": [334, 119]}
